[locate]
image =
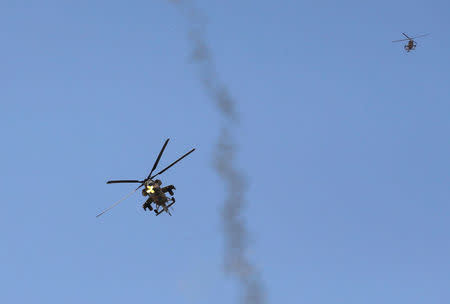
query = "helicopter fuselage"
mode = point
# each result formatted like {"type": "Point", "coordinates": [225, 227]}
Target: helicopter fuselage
{"type": "Point", "coordinates": [154, 192]}
{"type": "Point", "coordinates": [158, 196]}
{"type": "Point", "coordinates": [411, 45]}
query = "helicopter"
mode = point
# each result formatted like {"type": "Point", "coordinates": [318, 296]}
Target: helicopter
{"type": "Point", "coordinates": [411, 45]}
{"type": "Point", "coordinates": [152, 188]}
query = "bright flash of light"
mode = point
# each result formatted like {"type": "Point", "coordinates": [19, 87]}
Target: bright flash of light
{"type": "Point", "coordinates": [150, 189]}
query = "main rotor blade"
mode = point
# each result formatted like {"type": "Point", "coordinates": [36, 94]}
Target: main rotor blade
{"type": "Point", "coordinates": [406, 36]}
{"type": "Point", "coordinates": [159, 157]}
{"type": "Point", "coordinates": [140, 185]}
{"type": "Point", "coordinates": [117, 203]}
{"type": "Point", "coordinates": [160, 172]}
{"type": "Point", "coordinates": [123, 181]}
{"type": "Point", "coordinates": [400, 40]}
{"type": "Point", "coordinates": [421, 36]}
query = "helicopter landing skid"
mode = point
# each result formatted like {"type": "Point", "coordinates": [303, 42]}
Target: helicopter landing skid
{"type": "Point", "coordinates": [168, 206]}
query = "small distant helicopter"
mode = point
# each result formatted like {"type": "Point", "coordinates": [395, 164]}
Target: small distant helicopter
{"type": "Point", "coordinates": [411, 45]}
{"type": "Point", "coordinates": [152, 189]}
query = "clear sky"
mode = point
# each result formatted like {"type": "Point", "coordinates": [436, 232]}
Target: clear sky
{"type": "Point", "coordinates": [344, 141]}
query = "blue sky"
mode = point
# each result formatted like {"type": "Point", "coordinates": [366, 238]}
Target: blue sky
{"type": "Point", "coordinates": [343, 141]}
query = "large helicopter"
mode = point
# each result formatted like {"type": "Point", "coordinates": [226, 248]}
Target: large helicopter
{"type": "Point", "coordinates": [156, 194]}
{"type": "Point", "coordinates": [411, 45]}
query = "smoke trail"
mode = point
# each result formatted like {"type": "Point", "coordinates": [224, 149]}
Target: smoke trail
{"type": "Point", "coordinates": [236, 240]}
{"type": "Point", "coordinates": [201, 55]}
{"type": "Point", "coordinates": [236, 262]}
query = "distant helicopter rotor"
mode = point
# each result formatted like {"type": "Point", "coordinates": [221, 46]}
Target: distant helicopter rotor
{"type": "Point", "coordinates": [409, 38]}
{"type": "Point", "coordinates": [411, 45]}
